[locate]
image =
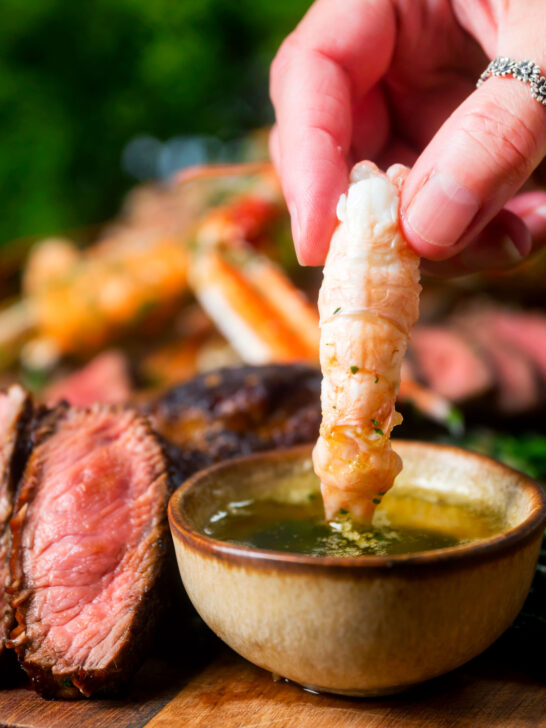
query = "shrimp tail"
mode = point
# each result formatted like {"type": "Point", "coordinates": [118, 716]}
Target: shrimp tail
{"type": "Point", "coordinates": [368, 304]}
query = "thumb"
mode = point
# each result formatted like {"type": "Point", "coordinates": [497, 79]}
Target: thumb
{"type": "Point", "coordinates": [474, 164]}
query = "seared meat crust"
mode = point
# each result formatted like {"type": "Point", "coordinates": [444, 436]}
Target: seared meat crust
{"type": "Point", "coordinates": [237, 411]}
{"type": "Point", "coordinates": [89, 546]}
{"type": "Point", "coordinates": [15, 419]}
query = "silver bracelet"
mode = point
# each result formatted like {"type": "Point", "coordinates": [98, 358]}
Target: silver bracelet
{"type": "Point", "coordinates": [526, 71]}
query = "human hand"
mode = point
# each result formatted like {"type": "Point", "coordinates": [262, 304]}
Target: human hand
{"type": "Point", "coordinates": [394, 81]}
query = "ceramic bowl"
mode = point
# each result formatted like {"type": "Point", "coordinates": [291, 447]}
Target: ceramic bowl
{"type": "Point", "coordinates": [367, 625]}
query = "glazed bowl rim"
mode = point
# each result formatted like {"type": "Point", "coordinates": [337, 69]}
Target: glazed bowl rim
{"type": "Point", "coordinates": [242, 555]}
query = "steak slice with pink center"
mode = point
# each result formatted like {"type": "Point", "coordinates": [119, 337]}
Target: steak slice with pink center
{"type": "Point", "coordinates": [88, 550]}
{"type": "Point", "coordinates": [15, 415]}
{"type": "Point", "coordinates": [448, 363]}
{"type": "Point", "coordinates": [523, 331]}
{"type": "Point", "coordinates": [517, 382]}
{"type": "Point", "coordinates": [104, 379]}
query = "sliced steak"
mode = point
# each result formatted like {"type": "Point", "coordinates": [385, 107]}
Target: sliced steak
{"type": "Point", "coordinates": [518, 388]}
{"type": "Point", "coordinates": [104, 379]}
{"type": "Point", "coordinates": [448, 363]}
{"type": "Point", "coordinates": [237, 411]}
{"type": "Point", "coordinates": [15, 415]}
{"type": "Point", "coordinates": [89, 540]}
{"type": "Point", "coordinates": [523, 331]}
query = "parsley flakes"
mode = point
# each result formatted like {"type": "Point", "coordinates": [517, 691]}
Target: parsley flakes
{"type": "Point", "coordinates": [376, 428]}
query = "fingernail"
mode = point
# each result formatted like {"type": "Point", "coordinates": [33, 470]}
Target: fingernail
{"type": "Point", "coordinates": [510, 250]}
{"type": "Point", "coordinates": [442, 210]}
{"type": "Point", "coordinates": [503, 253]}
{"type": "Point", "coordinates": [535, 220]}
{"type": "Point", "coordinates": [296, 231]}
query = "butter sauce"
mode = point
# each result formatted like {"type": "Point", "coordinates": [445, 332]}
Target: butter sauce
{"type": "Point", "coordinates": [406, 523]}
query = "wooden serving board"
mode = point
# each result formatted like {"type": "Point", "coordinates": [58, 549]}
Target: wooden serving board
{"type": "Point", "coordinates": [209, 686]}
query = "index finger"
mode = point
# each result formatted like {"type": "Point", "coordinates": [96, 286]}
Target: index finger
{"type": "Point", "coordinates": [336, 54]}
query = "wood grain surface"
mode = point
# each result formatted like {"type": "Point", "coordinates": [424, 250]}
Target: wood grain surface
{"type": "Point", "coordinates": [208, 686]}
{"type": "Point", "coordinates": [151, 689]}
{"type": "Point", "coordinates": [232, 693]}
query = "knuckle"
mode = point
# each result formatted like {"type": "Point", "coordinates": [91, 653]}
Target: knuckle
{"type": "Point", "coordinates": [325, 140]}
{"type": "Point", "coordinates": [503, 137]}
{"type": "Point", "coordinates": [281, 62]}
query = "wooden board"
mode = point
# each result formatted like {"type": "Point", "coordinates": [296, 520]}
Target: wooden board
{"type": "Point", "coordinates": [233, 694]}
{"type": "Point", "coordinates": [211, 687]}
{"type": "Point", "coordinates": [151, 690]}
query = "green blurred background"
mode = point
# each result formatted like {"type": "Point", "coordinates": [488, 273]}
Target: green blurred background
{"type": "Point", "coordinates": [79, 80]}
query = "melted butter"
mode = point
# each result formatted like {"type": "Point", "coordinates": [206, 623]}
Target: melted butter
{"type": "Point", "coordinates": [404, 523]}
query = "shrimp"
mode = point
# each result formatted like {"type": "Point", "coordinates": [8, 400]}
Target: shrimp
{"type": "Point", "coordinates": [368, 303]}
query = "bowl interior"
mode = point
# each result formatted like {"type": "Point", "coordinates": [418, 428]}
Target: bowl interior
{"type": "Point", "coordinates": [431, 473]}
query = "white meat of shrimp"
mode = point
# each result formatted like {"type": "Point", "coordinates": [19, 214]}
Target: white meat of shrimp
{"type": "Point", "coordinates": [368, 303]}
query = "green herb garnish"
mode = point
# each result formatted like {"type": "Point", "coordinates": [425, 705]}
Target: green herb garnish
{"type": "Point", "coordinates": [34, 379]}
{"type": "Point", "coordinates": [377, 501]}
{"type": "Point", "coordinates": [343, 511]}
{"type": "Point", "coordinates": [337, 309]}
{"type": "Point", "coordinates": [455, 421]}
{"type": "Point", "coordinates": [524, 451]}
{"type": "Point", "coordinates": [376, 379]}
{"type": "Point", "coordinates": [354, 369]}
{"type": "Point", "coordinates": [376, 428]}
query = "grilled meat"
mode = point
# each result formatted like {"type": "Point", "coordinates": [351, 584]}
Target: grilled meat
{"type": "Point", "coordinates": [104, 379]}
{"type": "Point", "coordinates": [523, 331]}
{"type": "Point", "coordinates": [89, 541]}
{"type": "Point", "coordinates": [237, 411]}
{"type": "Point", "coordinates": [449, 364]}
{"type": "Point", "coordinates": [15, 415]}
{"type": "Point", "coordinates": [517, 383]}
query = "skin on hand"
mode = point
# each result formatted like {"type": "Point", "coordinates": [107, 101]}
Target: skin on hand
{"type": "Point", "coordinates": [394, 81]}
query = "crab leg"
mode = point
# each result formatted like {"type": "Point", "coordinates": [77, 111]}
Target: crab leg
{"type": "Point", "coordinates": [242, 314]}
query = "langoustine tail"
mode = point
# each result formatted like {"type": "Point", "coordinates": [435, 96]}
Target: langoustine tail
{"type": "Point", "coordinates": [368, 304]}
